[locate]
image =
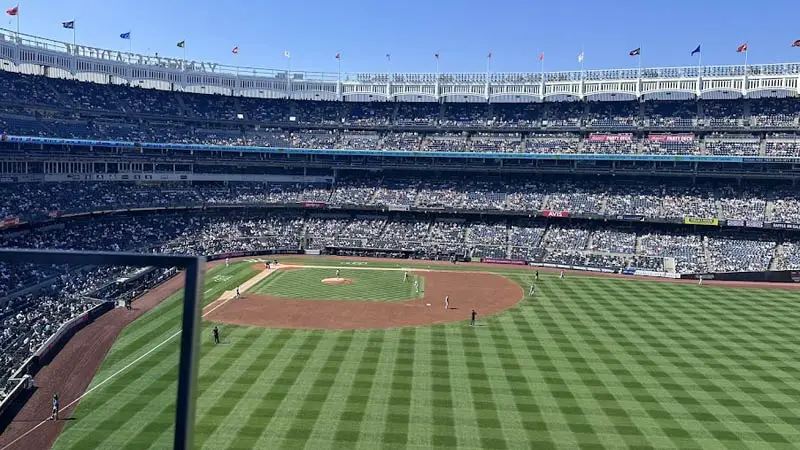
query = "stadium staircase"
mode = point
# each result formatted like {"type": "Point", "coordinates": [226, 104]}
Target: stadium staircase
{"type": "Point", "coordinates": [778, 256]}
{"type": "Point", "coordinates": [589, 242]}
{"type": "Point", "coordinates": [706, 251]}
{"type": "Point", "coordinates": [702, 147]}
{"type": "Point", "coordinates": [181, 105]}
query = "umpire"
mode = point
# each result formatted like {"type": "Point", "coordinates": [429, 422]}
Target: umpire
{"type": "Point", "coordinates": [216, 335]}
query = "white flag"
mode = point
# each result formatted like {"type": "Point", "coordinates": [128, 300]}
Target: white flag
{"type": "Point", "coordinates": [580, 57]}
{"type": "Point", "coordinates": [286, 53]}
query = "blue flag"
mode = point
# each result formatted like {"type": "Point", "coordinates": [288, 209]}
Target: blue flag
{"type": "Point", "coordinates": [125, 35]}
{"type": "Point", "coordinates": [696, 51]}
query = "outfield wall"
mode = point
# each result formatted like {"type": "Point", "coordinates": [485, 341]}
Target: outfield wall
{"type": "Point", "coordinates": [769, 276]}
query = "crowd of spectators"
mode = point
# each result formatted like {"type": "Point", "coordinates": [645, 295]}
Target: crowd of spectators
{"type": "Point", "coordinates": [34, 200]}
{"type": "Point", "coordinates": [40, 106]}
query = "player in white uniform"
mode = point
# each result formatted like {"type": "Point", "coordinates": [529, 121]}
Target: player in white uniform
{"type": "Point", "coordinates": [416, 285]}
{"type": "Point", "coordinates": [561, 275]}
{"type": "Point", "coordinates": [446, 302]}
{"type": "Point", "coordinates": [227, 262]}
{"type": "Point", "coordinates": [530, 291]}
{"type": "Point", "coordinates": [405, 277]}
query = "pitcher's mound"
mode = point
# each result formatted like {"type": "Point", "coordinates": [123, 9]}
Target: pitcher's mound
{"type": "Point", "coordinates": [337, 280]}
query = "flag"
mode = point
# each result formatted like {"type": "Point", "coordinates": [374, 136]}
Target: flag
{"type": "Point", "coordinates": [741, 48]}
{"type": "Point", "coordinates": [541, 56]}
{"type": "Point", "coordinates": [580, 57]}
{"type": "Point", "coordinates": [286, 54]}
{"type": "Point", "coordinates": [636, 52]}
{"type": "Point", "coordinates": [388, 57]}
{"type": "Point", "coordinates": [125, 35]}
{"type": "Point", "coordinates": [13, 11]}
{"type": "Point", "coordinates": [796, 43]}
{"type": "Point", "coordinates": [70, 25]}
{"type": "Point", "coordinates": [235, 50]}
{"type": "Point", "coordinates": [338, 55]}
{"type": "Point", "coordinates": [697, 50]}
{"type": "Point", "coordinates": [182, 44]}
{"type": "Point", "coordinates": [489, 55]}
{"type": "Point", "coordinates": [436, 55]}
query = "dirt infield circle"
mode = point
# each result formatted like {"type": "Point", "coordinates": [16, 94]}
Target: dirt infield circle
{"type": "Point", "coordinates": [486, 293]}
{"type": "Point", "coordinates": [337, 281]}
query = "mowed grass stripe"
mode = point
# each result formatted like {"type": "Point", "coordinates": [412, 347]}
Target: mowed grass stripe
{"type": "Point", "coordinates": [351, 417]}
{"type": "Point", "coordinates": [239, 396]}
{"type": "Point", "coordinates": [705, 384]}
{"type": "Point", "coordinates": [275, 408]}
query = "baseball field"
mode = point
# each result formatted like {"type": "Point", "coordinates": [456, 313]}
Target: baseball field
{"type": "Point", "coordinates": [587, 362]}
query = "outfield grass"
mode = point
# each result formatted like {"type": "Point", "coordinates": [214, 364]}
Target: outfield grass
{"type": "Point", "coordinates": [591, 363]}
{"type": "Point", "coordinates": [367, 285]}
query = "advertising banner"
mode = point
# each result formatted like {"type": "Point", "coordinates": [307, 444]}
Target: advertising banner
{"type": "Point", "coordinates": [313, 204]}
{"type": "Point", "coordinates": [550, 213]}
{"type": "Point", "coordinates": [631, 217]}
{"type": "Point", "coordinates": [8, 221]}
{"type": "Point", "coordinates": [671, 137]}
{"type": "Point", "coordinates": [701, 221]}
{"type": "Point", "coordinates": [515, 262]}
{"type": "Point", "coordinates": [611, 138]}
{"type": "Point", "coordinates": [786, 226]}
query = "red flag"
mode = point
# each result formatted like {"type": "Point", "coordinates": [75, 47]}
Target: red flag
{"type": "Point", "coordinates": [541, 56]}
{"type": "Point", "coordinates": [796, 43]}
{"type": "Point", "coordinates": [13, 11]}
{"type": "Point", "coordinates": [235, 50]}
{"type": "Point", "coordinates": [338, 55]}
{"type": "Point", "coordinates": [741, 48]}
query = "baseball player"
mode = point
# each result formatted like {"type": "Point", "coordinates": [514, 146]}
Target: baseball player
{"type": "Point", "coordinates": [446, 302]}
{"type": "Point", "coordinates": [530, 291]}
{"type": "Point", "coordinates": [216, 335]}
{"type": "Point", "coordinates": [405, 277]}
{"type": "Point", "coordinates": [237, 291]}
{"type": "Point", "coordinates": [701, 281]}
{"type": "Point", "coordinates": [474, 316]}
{"type": "Point", "coordinates": [227, 262]}
{"type": "Point", "coordinates": [561, 275]}
{"type": "Point", "coordinates": [537, 275]}
{"type": "Point", "coordinates": [266, 265]}
{"type": "Point", "coordinates": [337, 273]}
{"type": "Point", "coordinates": [416, 285]}
{"type": "Point", "coordinates": [54, 414]}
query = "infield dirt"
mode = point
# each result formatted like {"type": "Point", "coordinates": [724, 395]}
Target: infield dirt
{"type": "Point", "coordinates": [485, 292]}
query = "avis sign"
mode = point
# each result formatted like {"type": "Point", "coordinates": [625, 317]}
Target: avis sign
{"type": "Point", "coordinates": [550, 213]}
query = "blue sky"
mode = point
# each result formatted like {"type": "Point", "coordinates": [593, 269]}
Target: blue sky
{"type": "Point", "coordinates": [413, 30]}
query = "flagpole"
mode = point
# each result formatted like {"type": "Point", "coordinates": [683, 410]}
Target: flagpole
{"type": "Point", "coordinates": [73, 35]}
{"type": "Point", "coordinates": [746, 50]}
